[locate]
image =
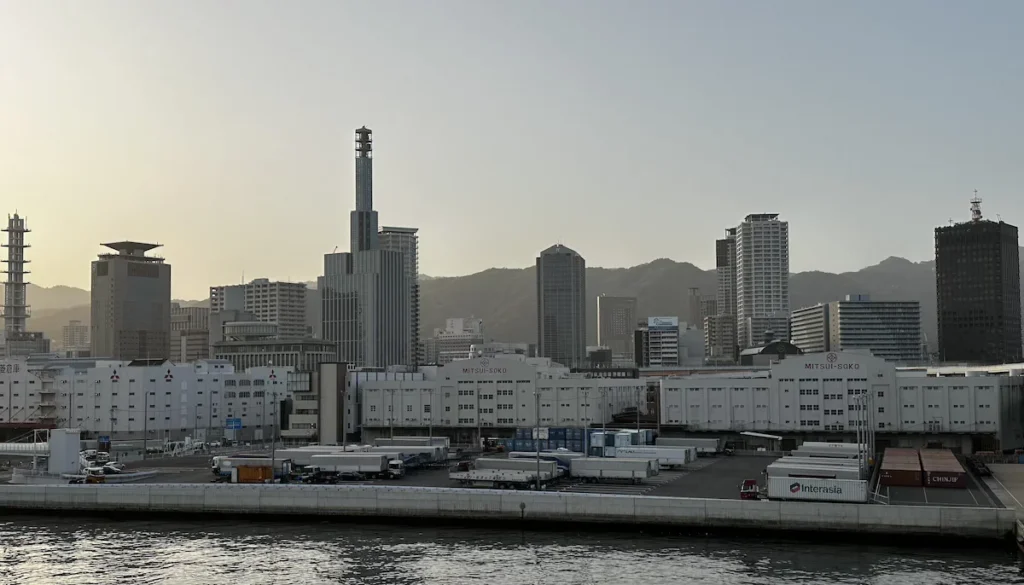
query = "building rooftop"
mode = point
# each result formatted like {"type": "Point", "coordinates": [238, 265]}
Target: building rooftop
{"type": "Point", "coordinates": [133, 249]}
{"type": "Point", "coordinates": [399, 230]}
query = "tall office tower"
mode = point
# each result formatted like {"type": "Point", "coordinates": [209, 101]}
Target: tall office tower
{"type": "Point", "coordinates": [977, 281]}
{"type": "Point", "coordinates": [561, 306]}
{"type": "Point", "coordinates": [283, 303]}
{"type": "Point", "coordinates": [720, 343]}
{"type": "Point", "coordinates": [657, 342]}
{"type": "Point", "coordinates": [762, 279]}
{"type": "Point", "coordinates": [131, 303]}
{"type": "Point", "coordinates": [365, 304]}
{"type": "Point", "coordinates": [616, 320]}
{"type": "Point", "coordinates": [405, 241]}
{"type": "Point", "coordinates": [18, 341]}
{"type": "Point", "coordinates": [363, 219]}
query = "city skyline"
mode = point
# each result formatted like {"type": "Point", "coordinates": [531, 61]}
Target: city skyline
{"type": "Point", "coordinates": [207, 128]}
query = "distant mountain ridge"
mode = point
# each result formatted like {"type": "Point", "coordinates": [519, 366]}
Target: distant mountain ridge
{"type": "Point", "coordinates": [505, 298]}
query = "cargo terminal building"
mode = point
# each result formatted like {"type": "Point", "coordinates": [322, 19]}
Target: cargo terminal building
{"type": "Point", "coordinates": [817, 397]}
{"type": "Point", "coordinates": [491, 397]}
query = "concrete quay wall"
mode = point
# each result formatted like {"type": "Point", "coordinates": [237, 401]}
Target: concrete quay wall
{"type": "Point", "coordinates": [492, 505]}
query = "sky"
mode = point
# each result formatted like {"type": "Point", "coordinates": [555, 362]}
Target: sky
{"type": "Point", "coordinates": [628, 131]}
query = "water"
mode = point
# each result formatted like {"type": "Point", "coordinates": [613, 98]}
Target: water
{"type": "Point", "coordinates": [53, 551]}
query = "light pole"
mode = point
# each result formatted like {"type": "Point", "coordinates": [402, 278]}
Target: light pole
{"type": "Point", "coordinates": [585, 420]}
{"type": "Point", "coordinates": [430, 421]}
{"type": "Point", "coordinates": [536, 442]}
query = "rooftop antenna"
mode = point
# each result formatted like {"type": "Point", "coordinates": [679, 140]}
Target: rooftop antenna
{"type": "Point", "coordinates": [976, 207]}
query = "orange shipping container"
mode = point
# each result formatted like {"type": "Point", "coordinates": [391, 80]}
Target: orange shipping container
{"type": "Point", "coordinates": [252, 474]}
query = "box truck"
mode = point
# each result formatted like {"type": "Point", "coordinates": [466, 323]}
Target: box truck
{"type": "Point", "coordinates": [666, 456]}
{"type": "Point", "coordinates": [597, 469]}
{"type": "Point", "coordinates": [703, 446]}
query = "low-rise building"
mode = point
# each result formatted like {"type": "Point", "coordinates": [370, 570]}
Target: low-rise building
{"type": "Point", "coordinates": [109, 398]}
{"type": "Point", "coordinates": [455, 340]}
{"type": "Point", "coordinates": [470, 399]}
{"type": "Point", "coordinates": [827, 396]}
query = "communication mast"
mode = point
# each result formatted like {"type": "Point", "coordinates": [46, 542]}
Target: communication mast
{"type": "Point", "coordinates": [976, 207]}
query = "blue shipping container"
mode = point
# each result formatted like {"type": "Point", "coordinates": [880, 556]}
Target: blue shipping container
{"type": "Point", "coordinates": [576, 446]}
{"type": "Point", "coordinates": [576, 434]}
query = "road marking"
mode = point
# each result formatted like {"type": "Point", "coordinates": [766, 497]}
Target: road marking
{"type": "Point", "coordinates": [970, 491]}
{"type": "Point", "coordinates": [1008, 491]}
{"type": "Point", "coordinates": [924, 490]}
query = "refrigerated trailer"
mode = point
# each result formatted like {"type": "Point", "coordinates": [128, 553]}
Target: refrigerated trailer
{"type": "Point", "coordinates": [824, 452]}
{"type": "Point", "coordinates": [548, 467]}
{"type": "Point", "coordinates": [500, 478]}
{"type": "Point", "coordinates": [426, 453]}
{"type": "Point", "coordinates": [666, 456]}
{"type": "Point", "coordinates": [823, 490]}
{"type": "Point", "coordinates": [596, 469]}
{"type": "Point", "coordinates": [703, 446]}
{"type": "Point", "coordinates": [222, 465]}
{"type": "Point", "coordinates": [302, 456]}
{"type": "Point", "coordinates": [372, 465]}
{"type": "Point", "coordinates": [393, 441]}
{"type": "Point", "coordinates": [436, 448]}
{"type": "Point", "coordinates": [813, 471]}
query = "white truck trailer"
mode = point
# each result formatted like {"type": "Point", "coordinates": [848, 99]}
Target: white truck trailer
{"type": "Point", "coordinates": [547, 467]}
{"type": "Point", "coordinates": [374, 465]}
{"type": "Point", "coordinates": [597, 469]}
{"type": "Point", "coordinates": [813, 471]}
{"type": "Point", "coordinates": [222, 465]}
{"type": "Point", "coordinates": [500, 478]}
{"type": "Point", "coordinates": [666, 456]}
{"type": "Point", "coordinates": [401, 441]}
{"type": "Point", "coordinates": [303, 456]}
{"type": "Point", "coordinates": [703, 446]}
{"type": "Point", "coordinates": [427, 453]}
{"type": "Point", "coordinates": [803, 451]}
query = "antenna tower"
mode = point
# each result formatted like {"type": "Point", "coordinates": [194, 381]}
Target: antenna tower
{"type": "Point", "coordinates": [15, 309]}
{"type": "Point", "coordinates": [976, 207]}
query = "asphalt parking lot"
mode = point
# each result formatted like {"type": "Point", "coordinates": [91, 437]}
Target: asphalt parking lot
{"type": "Point", "coordinates": [974, 496]}
{"type": "Point", "coordinates": [716, 478]}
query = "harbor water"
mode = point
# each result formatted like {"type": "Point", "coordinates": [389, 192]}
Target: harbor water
{"type": "Point", "coordinates": [81, 551]}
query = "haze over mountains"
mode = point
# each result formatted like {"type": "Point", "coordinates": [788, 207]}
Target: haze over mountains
{"type": "Point", "coordinates": [505, 298]}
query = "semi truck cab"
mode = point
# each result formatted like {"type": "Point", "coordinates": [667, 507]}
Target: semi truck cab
{"type": "Point", "coordinates": [396, 469]}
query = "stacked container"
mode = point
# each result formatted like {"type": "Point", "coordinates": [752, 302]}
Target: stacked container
{"type": "Point", "coordinates": [900, 467]}
{"type": "Point", "coordinates": [941, 469]}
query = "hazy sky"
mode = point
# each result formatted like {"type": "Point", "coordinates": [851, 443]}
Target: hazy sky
{"type": "Point", "coordinates": [626, 130]}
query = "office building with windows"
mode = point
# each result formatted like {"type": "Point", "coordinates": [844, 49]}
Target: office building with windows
{"type": "Point", "coordinates": [561, 306]}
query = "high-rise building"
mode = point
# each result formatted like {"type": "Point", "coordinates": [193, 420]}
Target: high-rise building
{"type": "Point", "coordinates": [75, 336]}
{"type": "Point", "coordinates": [365, 304]}
{"type": "Point", "coordinates": [455, 341]}
{"type": "Point", "coordinates": [720, 343]}
{"type": "Point", "coordinates": [561, 306]}
{"type": "Point", "coordinates": [131, 304]}
{"type": "Point", "coordinates": [190, 333]}
{"type": "Point", "coordinates": [405, 241]}
{"type": "Point", "coordinates": [762, 279]}
{"type": "Point", "coordinates": [977, 281]}
{"type": "Point", "coordinates": [616, 320]}
{"type": "Point", "coordinates": [657, 342]}
{"type": "Point", "coordinates": [17, 340]}
{"type": "Point", "coordinates": [890, 330]}
{"type": "Point", "coordinates": [283, 303]}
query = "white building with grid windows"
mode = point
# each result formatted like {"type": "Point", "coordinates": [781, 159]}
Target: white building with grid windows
{"type": "Point", "coordinates": [762, 279]}
{"type": "Point", "coordinates": [818, 396]}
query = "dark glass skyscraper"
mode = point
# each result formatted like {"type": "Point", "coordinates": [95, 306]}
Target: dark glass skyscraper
{"type": "Point", "coordinates": [977, 282]}
{"type": "Point", "coordinates": [561, 306]}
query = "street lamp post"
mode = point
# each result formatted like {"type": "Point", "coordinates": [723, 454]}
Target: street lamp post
{"type": "Point", "coordinates": [536, 442]}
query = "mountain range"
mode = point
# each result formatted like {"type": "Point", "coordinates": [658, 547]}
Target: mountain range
{"type": "Point", "coordinates": [505, 298]}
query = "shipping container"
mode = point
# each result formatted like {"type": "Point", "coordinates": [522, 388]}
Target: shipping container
{"type": "Point", "coordinates": [576, 445]}
{"type": "Point", "coordinates": [395, 441]}
{"type": "Point", "coordinates": [253, 474]}
{"type": "Point", "coordinates": [598, 469]}
{"type": "Point", "coordinates": [900, 468]}
{"type": "Point", "coordinates": [824, 490]}
{"type": "Point", "coordinates": [946, 479]}
{"type": "Point", "coordinates": [823, 452]}
{"type": "Point", "coordinates": [942, 469]}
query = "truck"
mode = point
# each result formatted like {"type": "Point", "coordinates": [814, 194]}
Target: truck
{"type": "Point", "coordinates": [401, 441]}
{"type": "Point", "coordinates": [500, 478]}
{"type": "Point", "coordinates": [597, 469]}
{"type": "Point", "coordinates": [822, 490]}
{"type": "Point", "coordinates": [372, 465]}
{"type": "Point", "coordinates": [778, 469]}
{"type": "Point", "coordinates": [704, 446]}
{"type": "Point", "coordinates": [302, 456]}
{"type": "Point", "coordinates": [223, 464]}
{"type": "Point", "coordinates": [504, 473]}
{"type": "Point", "coordinates": [666, 456]}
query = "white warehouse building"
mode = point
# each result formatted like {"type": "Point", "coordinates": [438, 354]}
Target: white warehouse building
{"type": "Point", "coordinates": [105, 398]}
{"type": "Point", "coordinates": [473, 398]}
{"type": "Point", "coordinates": [817, 397]}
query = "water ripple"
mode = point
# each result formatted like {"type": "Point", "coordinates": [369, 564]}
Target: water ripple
{"type": "Point", "coordinates": [94, 552]}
